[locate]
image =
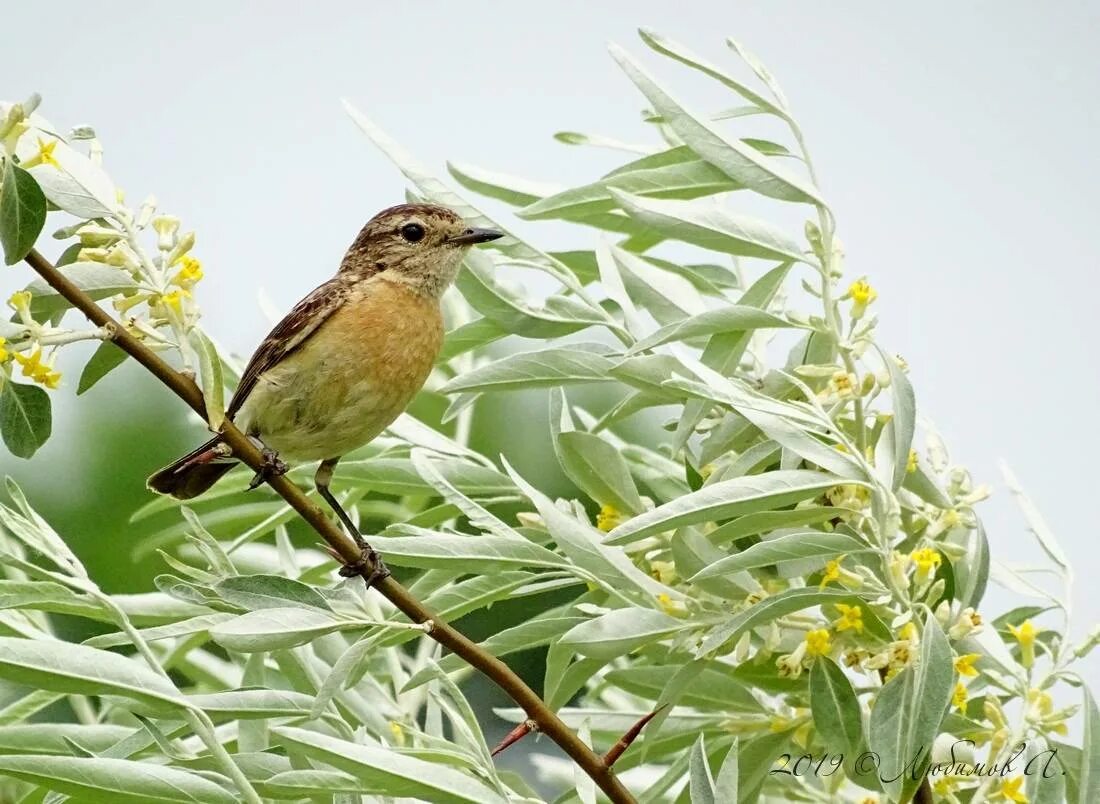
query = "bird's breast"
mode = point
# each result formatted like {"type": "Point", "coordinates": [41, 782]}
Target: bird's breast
{"type": "Point", "coordinates": [352, 378]}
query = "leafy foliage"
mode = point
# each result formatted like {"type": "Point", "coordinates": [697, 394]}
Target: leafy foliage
{"type": "Point", "coordinates": [794, 569]}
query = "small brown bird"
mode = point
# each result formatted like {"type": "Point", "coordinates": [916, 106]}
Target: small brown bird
{"type": "Point", "coordinates": [348, 358]}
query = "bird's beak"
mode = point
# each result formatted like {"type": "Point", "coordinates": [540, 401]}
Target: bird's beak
{"type": "Point", "coordinates": [473, 236]}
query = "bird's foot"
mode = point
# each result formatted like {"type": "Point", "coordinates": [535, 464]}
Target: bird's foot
{"type": "Point", "coordinates": [369, 564]}
{"type": "Point", "coordinates": [272, 467]}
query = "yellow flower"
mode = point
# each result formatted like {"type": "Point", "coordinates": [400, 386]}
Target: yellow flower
{"type": "Point", "coordinates": [398, 732]}
{"type": "Point", "coordinates": [959, 697]}
{"type": "Point", "coordinates": [964, 665]}
{"type": "Point", "coordinates": [674, 608]}
{"type": "Point", "coordinates": [862, 292]}
{"type": "Point", "coordinates": [174, 299]}
{"type": "Point", "coordinates": [663, 571]}
{"type": "Point", "coordinates": [1025, 634]}
{"type": "Point", "coordinates": [832, 571]}
{"type": "Point", "coordinates": [817, 642]}
{"type": "Point", "coordinates": [908, 632]}
{"type": "Point", "coordinates": [36, 370]}
{"type": "Point", "coordinates": [851, 617]}
{"type": "Point", "coordinates": [609, 518]}
{"type": "Point", "coordinates": [5, 355]}
{"type": "Point", "coordinates": [926, 559]}
{"type": "Point", "coordinates": [20, 301]}
{"type": "Point", "coordinates": [842, 385]}
{"type": "Point", "coordinates": [1010, 790]}
{"type": "Point", "coordinates": [911, 462]}
{"type": "Point", "coordinates": [190, 272]}
{"type": "Point", "coordinates": [45, 152]}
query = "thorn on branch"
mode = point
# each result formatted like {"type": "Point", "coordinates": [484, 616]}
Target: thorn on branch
{"type": "Point", "coordinates": [629, 737]}
{"type": "Point", "coordinates": [515, 735]}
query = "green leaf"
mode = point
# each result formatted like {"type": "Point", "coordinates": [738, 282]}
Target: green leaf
{"type": "Point", "coordinates": [608, 566]}
{"type": "Point", "coordinates": [106, 358]}
{"type": "Point", "coordinates": [725, 786]}
{"type": "Point", "coordinates": [557, 316]}
{"type": "Point", "coordinates": [193, 625]}
{"type": "Point", "coordinates": [700, 781]}
{"type": "Point", "coordinates": [769, 609]}
{"type": "Point", "coordinates": [710, 226]}
{"type": "Point", "coordinates": [276, 629]}
{"type": "Point", "coordinates": [599, 471]}
{"type": "Point", "coordinates": [577, 363]}
{"type": "Point", "coordinates": [907, 713]}
{"type": "Point", "coordinates": [252, 704]}
{"type": "Point", "coordinates": [620, 631]}
{"type": "Point", "coordinates": [1035, 522]}
{"type": "Point", "coordinates": [712, 686]}
{"type": "Point", "coordinates": [386, 772]}
{"type": "Point", "coordinates": [22, 212]}
{"type": "Point", "coordinates": [432, 550]}
{"type": "Point", "coordinates": [107, 781]}
{"type": "Point", "coordinates": [740, 162]}
{"type": "Point", "coordinates": [98, 280]}
{"type": "Point", "coordinates": [471, 335]}
{"type": "Point", "coordinates": [25, 418]}
{"type": "Point", "coordinates": [788, 547]}
{"type": "Point", "coordinates": [54, 738]}
{"type": "Point", "coordinates": [723, 352]}
{"type": "Point", "coordinates": [1088, 783]}
{"type": "Point", "coordinates": [905, 418]}
{"type": "Point", "coordinates": [972, 572]}
{"type": "Point", "coordinates": [727, 498]}
{"type": "Point", "coordinates": [210, 372]}
{"type": "Point", "coordinates": [835, 707]}
{"type": "Point", "coordinates": [675, 173]}
{"type": "Point", "coordinates": [398, 476]}
{"type": "Point", "coordinates": [674, 50]}
{"type": "Point", "coordinates": [509, 189]}
{"type": "Point", "coordinates": [723, 320]}
{"type": "Point", "coordinates": [253, 592]}
{"type": "Point", "coordinates": [63, 667]}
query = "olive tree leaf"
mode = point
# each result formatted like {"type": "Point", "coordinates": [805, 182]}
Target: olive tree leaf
{"type": "Point", "coordinates": [1088, 784]}
{"type": "Point", "coordinates": [98, 280]}
{"type": "Point", "coordinates": [712, 227]}
{"type": "Point", "coordinates": [63, 667]}
{"type": "Point", "coordinates": [788, 547]}
{"type": "Point", "coordinates": [210, 372]}
{"type": "Point", "coordinates": [386, 772]}
{"type": "Point", "coordinates": [22, 212]}
{"type": "Point", "coordinates": [834, 705]}
{"type": "Point", "coordinates": [700, 782]}
{"type": "Point", "coordinates": [576, 363]}
{"type": "Point", "coordinates": [620, 631]}
{"type": "Point", "coordinates": [25, 418]}
{"type": "Point", "coordinates": [739, 161]}
{"type": "Point", "coordinates": [724, 499]}
{"type": "Point", "coordinates": [106, 358]}
{"type": "Point", "coordinates": [276, 629]}
{"type": "Point", "coordinates": [908, 711]}
{"type": "Point", "coordinates": [110, 780]}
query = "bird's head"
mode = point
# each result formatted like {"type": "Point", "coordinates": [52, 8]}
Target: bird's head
{"type": "Point", "coordinates": [419, 245]}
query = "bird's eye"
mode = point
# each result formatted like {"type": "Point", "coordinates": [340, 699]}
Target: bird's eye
{"type": "Point", "coordinates": [413, 232]}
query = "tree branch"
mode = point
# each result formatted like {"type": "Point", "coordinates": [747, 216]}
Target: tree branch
{"type": "Point", "coordinates": [341, 544]}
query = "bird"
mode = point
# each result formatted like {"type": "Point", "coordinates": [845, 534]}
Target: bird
{"type": "Point", "coordinates": [346, 360]}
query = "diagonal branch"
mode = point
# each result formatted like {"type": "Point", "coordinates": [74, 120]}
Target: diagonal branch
{"type": "Point", "coordinates": [342, 546]}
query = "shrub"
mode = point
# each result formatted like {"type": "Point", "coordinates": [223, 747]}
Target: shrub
{"type": "Point", "coordinates": [784, 586]}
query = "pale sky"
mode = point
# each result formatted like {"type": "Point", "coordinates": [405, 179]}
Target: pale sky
{"type": "Point", "coordinates": [956, 142]}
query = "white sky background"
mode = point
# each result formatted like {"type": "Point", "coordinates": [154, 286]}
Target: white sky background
{"type": "Point", "coordinates": [956, 143]}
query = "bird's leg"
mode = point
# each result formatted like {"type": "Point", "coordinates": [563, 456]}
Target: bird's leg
{"type": "Point", "coordinates": [370, 564]}
{"type": "Point", "coordinates": [272, 465]}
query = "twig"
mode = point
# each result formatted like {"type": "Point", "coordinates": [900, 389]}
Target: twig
{"type": "Point", "coordinates": [631, 735]}
{"type": "Point", "coordinates": [342, 545]}
{"type": "Point", "coordinates": [515, 735]}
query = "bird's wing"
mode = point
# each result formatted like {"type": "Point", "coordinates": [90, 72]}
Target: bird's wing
{"type": "Point", "coordinates": [295, 329]}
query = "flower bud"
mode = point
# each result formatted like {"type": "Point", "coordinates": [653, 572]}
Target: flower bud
{"type": "Point", "coordinates": [145, 214]}
{"type": "Point", "coordinates": [166, 227]}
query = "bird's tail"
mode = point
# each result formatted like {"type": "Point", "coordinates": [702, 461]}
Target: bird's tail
{"type": "Point", "coordinates": [192, 474]}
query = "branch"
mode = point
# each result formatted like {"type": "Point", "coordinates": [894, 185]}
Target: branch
{"type": "Point", "coordinates": [341, 544]}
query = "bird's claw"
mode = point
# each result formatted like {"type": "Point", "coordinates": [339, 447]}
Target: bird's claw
{"type": "Point", "coordinates": [272, 466]}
